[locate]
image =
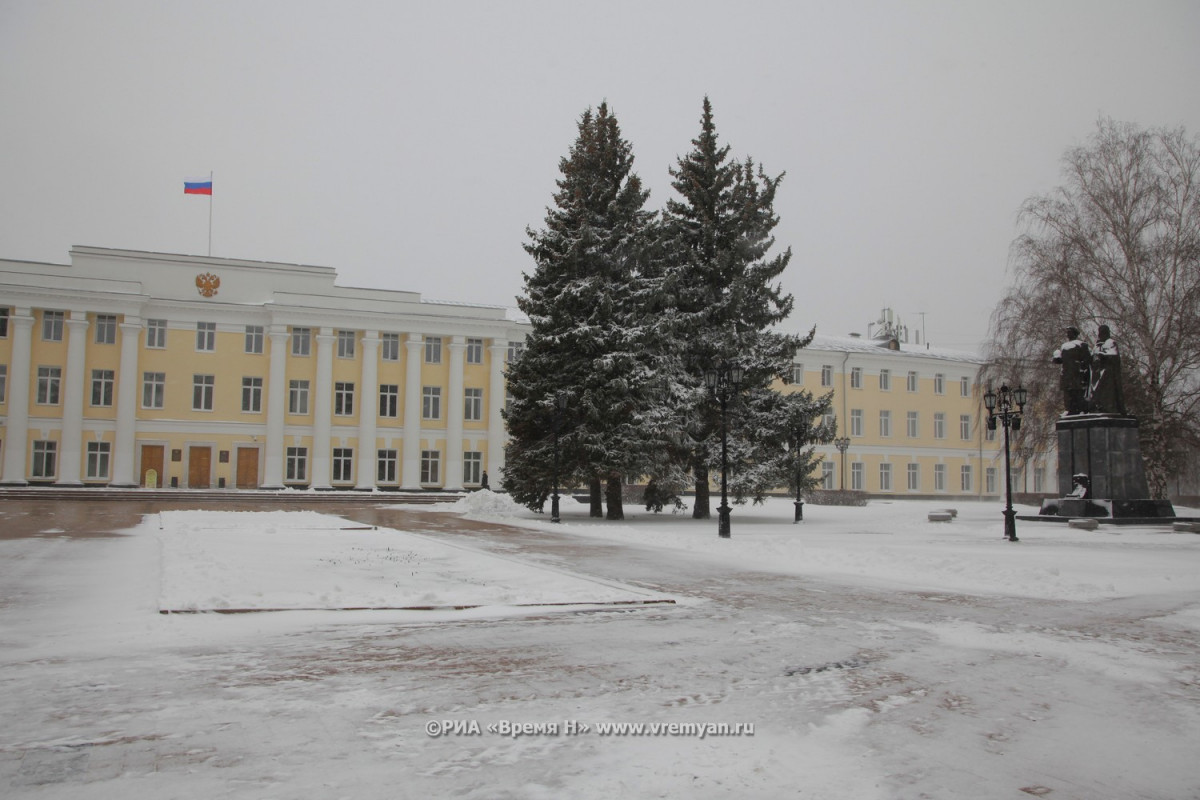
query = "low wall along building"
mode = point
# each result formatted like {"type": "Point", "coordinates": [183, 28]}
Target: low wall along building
{"type": "Point", "coordinates": [189, 371]}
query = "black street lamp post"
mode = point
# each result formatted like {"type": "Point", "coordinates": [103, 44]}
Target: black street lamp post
{"type": "Point", "coordinates": [799, 439]}
{"type": "Point", "coordinates": [723, 382]}
{"type": "Point", "coordinates": [1010, 419]}
{"type": "Point", "coordinates": [842, 443]}
{"type": "Point", "coordinates": [560, 405]}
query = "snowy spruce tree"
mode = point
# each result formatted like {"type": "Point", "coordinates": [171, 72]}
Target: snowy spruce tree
{"type": "Point", "coordinates": [723, 281]}
{"type": "Point", "coordinates": [588, 300]}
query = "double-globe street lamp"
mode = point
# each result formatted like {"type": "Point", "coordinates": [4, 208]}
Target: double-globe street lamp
{"type": "Point", "coordinates": [723, 383]}
{"type": "Point", "coordinates": [1000, 408]}
{"type": "Point", "coordinates": [842, 443]}
{"type": "Point", "coordinates": [560, 405]}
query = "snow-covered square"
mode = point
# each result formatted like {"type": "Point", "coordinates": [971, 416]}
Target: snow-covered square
{"type": "Point", "coordinates": [863, 653]}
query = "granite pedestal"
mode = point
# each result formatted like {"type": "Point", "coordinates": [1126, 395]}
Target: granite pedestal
{"type": "Point", "coordinates": [1105, 448]}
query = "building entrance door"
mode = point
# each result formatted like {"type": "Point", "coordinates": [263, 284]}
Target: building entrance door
{"type": "Point", "coordinates": [247, 468]}
{"type": "Point", "coordinates": [152, 459]}
{"type": "Point", "coordinates": [199, 467]}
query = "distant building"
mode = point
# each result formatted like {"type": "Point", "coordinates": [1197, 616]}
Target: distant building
{"type": "Point", "coordinates": [913, 415]}
{"type": "Point", "coordinates": [127, 368]}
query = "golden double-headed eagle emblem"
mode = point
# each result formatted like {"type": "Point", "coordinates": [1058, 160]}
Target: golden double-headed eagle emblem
{"type": "Point", "coordinates": [208, 284]}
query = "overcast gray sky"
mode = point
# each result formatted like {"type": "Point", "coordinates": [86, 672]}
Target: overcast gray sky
{"type": "Point", "coordinates": [409, 144]}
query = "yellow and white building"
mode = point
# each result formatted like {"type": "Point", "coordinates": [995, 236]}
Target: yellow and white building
{"type": "Point", "coordinates": [129, 368]}
{"type": "Point", "coordinates": [913, 415]}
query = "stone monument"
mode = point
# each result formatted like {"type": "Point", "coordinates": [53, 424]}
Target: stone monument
{"type": "Point", "coordinates": [1100, 469]}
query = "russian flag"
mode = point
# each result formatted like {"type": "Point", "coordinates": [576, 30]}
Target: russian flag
{"type": "Point", "coordinates": [197, 185]}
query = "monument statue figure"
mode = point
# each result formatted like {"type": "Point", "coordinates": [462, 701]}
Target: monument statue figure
{"type": "Point", "coordinates": [1106, 394]}
{"type": "Point", "coordinates": [1076, 359]}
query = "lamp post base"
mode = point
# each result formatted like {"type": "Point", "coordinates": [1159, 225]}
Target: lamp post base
{"type": "Point", "coordinates": [723, 521]}
{"type": "Point", "coordinates": [1010, 525]}
{"type": "Point", "coordinates": [799, 511]}
{"type": "Point", "coordinates": [554, 517]}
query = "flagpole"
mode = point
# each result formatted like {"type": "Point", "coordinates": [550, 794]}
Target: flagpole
{"type": "Point", "coordinates": [210, 202]}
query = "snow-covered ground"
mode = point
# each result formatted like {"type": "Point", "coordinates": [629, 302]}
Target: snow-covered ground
{"type": "Point", "coordinates": [875, 654]}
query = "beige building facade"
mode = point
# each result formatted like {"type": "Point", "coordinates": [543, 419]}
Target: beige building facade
{"type": "Point", "coordinates": [128, 368]}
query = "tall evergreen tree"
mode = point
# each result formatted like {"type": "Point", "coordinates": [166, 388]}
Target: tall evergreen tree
{"type": "Point", "coordinates": [724, 283]}
{"type": "Point", "coordinates": [587, 301]}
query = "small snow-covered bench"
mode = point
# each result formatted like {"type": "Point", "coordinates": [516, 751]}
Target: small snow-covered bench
{"type": "Point", "coordinates": [1186, 527]}
{"type": "Point", "coordinates": [941, 516]}
{"type": "Point", "coordinates": [1086, 524]}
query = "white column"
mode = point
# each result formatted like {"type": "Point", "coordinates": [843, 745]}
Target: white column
{"type": "Point", "coordinates": [17, 425]}
{"type": "Point", "coordinates": [496, 434]}
{"type": "Point", "coordinates": [124, 457]}
{"type": "Point", "coordinates": [410, 464]}
{"type": "Point", "coordinates": [277, 393]}
{"type": "Point", "coordinates": [70, 464]}
{"type": "Point", "coordinates": [454, 416]}
{"type": "Point", "coordinates": [323, 410]}
{"type": "Point", "coordinates": [368, 411]}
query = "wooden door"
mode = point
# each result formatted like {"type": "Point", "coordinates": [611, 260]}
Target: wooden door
{"type": "Point", "coordinates": [152, 459]}
{"type": "Point", "coordinates": [199, 467]}
{"type": "Point", "coordinates": [247, 468]}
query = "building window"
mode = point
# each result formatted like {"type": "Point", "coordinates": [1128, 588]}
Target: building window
{"type": "Point", "coordinates": [885, 477]}
{"type": "Point", "coordinates": [3, 382]}
{"type": "Point", "coordinates": [885, 380]}
{"type": "Point", "coordinates": [98, 455]}
{"type": "Point", "coordinates": [856, 476]}
{"type": "Point", "coordinates": [515, 349]}
{"type": "Point", "coordinates": [939, 383]}
{"type": "Point", "coordinates": [431, 466]}
{"type": "Point", "coordinates": [252, 395]}
{"type": "Point", "coordinates": [301, 341]}
{"type": "Point", "coordinates": [154, 388]}
{"type": "Point", "coordinates": [964, 386]}
{"type": "Point", "coordinates": [914, 425]}
{"type": "Point", "coordinates": [912, 382]}
{"type": "Point", "coordinates": [966, 477]}
{"type": "Point", "coordinates": [297, 465]}
{"type": "Point", "coordinates": [472, 468]}
{"type": "Point", "coordinates": [827, 468]}
{"type": "Point", "coordinates": [202, 392]}
{"type": "Point", "coordinates": [856, 422]}
{"type": "Point", "coordinates": [343, 399]}
{"type": "Point", "coordinates": [829, 420]}
{"type": "Point", "coordinates": [102, 387]}
{"type": "Point", "coordinates": [298, 397]}
{"type": "Point", "coordinates": [44, 459]}
{"type": "Point", "coordinates": [106, 329]}
{"type": "Point", "coordinates": [156, 334]}
{"type": "Point", "coordinates": [1039, 479]}
{"type": "Point", "coordinates": [254, 339]}
{"type": "Point", "coordinates": [431, 402]}
{"type": "Point", "coordinates": [52, 325]}
{"type": "Point", "coordinates": [856, 377]}
{"type": "Point", "coordinates": [433, 349]}
{"type": "Point", "coordinates": [964, 427]}
{"type": "Point", "coordinates": [827, 375]}
{"type": "Point", "coordinates": [345, 344]}
{"type": "Point", "coordinates": [989, 434]}
{"type": "Point", "coordinates": [48, 384]}
{"type": "Point", "coordinates": [343, 464]}
{"type": "Point", "coordinates": [389, 399]}
{"type": "Point", "coordinates": [797, 374]}
{"type": "Point", "coordinates": [389, 349]}
{"type": "Point", "coordinates": [885, 423]}
{"type": "Point", "coordinates": [939, 477]}
{"type": "Point", "coordinates": [206, 336]}
{"type": "Point", "coordinates": [473, 405]}
{"type": "Point", "coordinates": [939, 425]}
{"type": "Point", "coordinates": [990, 477]}
{"type": "Point", "coordinates": [474, 351]}
{"type": "Point", "coordinates": [385, 470]}
{"type": "Point", "coordinates": [914, 477]}
{"type": "Point", "coordinates": [3, 323]}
